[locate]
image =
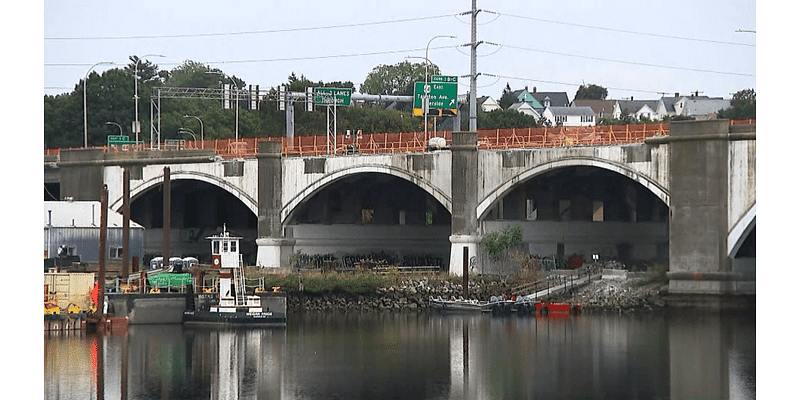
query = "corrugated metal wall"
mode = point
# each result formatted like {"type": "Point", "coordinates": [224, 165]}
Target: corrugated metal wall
{"type": "Point", "coordinates": [87, 241]}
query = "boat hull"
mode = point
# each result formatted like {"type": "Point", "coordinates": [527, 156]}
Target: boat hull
{"type": "Point", "coordinates": [559, 308]}
{"type": "Point", "coordinates": [243, 318]}
{"type": "Point", "coordinates": [457, 306]}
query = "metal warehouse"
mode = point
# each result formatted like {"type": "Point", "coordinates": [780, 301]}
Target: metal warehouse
{"type": "Point", "coordinates": [72, 228]}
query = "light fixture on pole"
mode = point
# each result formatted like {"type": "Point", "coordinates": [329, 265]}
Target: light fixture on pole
{"type": "Point", "coordinates": [202, 138]}
{"type": "Point", "coordinates": [85, 119]}
{"type": "Point", "coordinates": [189, 131]}
{"type": "Point", "coordinates": [118, 126]}
{"type": "Point", "coordinates": [137, 126]}
{"type": "Point", "coordinates": [426, 89]}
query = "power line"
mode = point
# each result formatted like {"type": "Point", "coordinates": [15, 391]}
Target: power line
{"type": "Point", "coordinates": [621, 61]}
{"type": "Point", "coordinates": [622, 30]}
{"type": "Point", "coordinates": [277, 59]}
{"type": "Point", "coordinates": [192, 35]}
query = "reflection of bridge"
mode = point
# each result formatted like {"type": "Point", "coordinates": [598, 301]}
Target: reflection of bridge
{"type": "Point", "coordinates": [685, 192]}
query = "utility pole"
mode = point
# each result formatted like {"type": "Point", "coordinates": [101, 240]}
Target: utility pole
{"type": "Point", "coordinates": [473, 75]}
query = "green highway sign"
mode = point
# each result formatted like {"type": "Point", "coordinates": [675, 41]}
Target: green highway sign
{"type": "Point", "coordinates": [118, 140]}
{"type": "Point", "coordinates": [444, 79]}
{"type": "Point", "coordinates": [332, 96]}
{"type": "Point", "coordinates": [442, 95]}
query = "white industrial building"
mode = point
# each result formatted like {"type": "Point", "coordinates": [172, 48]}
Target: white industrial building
{"type": "Point", "coordinates": [72, 228]}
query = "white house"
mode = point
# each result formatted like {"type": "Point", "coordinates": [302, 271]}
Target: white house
{"type": "Point", "coordinates": [525, 108]}
{"type": "Point", "coordinates": [488, 104]}
{"type": "Point", "coordinates": [639, 109]}
{"type": "Point", "coordinates": [569, 116]}
{"type": "Point", "coordinates": [700, 107]}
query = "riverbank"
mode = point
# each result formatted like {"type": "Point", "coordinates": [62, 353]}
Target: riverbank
{"type": "Point", "coordinates": [617, 294]}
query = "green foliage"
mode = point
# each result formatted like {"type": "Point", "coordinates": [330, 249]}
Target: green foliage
{"type": "Point", "coordinates": [110, 99]}
{"type": "Point", "coordinates": [501, 119]}
{"type": "Point", "coordinates": [319, 283]}
{"type": "Point", "coordinates": [495, 244]}
{"type": "Point", "coordinates": [591, 92]}
{"type": "Point", "coordinates": [743, 106]}
{"type": "Point", "coordinates": [397, 80]}
{"type": "Point", "coordinates": [506, 99]}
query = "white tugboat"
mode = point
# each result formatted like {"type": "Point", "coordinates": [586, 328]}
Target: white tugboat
{"type": "Point", "coordinates": [233, 305]}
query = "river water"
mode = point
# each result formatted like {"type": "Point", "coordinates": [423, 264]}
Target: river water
{"type": "Point", "coordinates": [415, 356]}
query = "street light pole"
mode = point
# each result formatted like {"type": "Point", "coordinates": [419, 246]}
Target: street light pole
{"type": "Point", "coordinates": [189, 131]}
{"type": "Point", "coordinates": [202, 138]}
{"type": "Point", "coordinates": [136, 125]}
{"type": "Point", "coordinates": [118, 126]}
{"type": "Point", "coordinates": [85, 119]}
{"type": "Point", "coordinates": [426, 89]}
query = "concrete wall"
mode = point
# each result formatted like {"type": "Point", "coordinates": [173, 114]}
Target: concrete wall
{"type": "Point", "coordinates": [704, 180]}
{"type": "Point", "coordinates": [341, 240]}
{"type": "Point", "coordinates": [80, 174]}
{"type": "Point", "coordinates": [645, 242]}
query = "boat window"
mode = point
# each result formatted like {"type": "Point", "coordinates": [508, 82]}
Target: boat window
{"type": "Point", "coordinates": [215, 247]}
{"type": "Point", "coordinates": [224, 246]}
{"type": "Point", "coordinates": [233, 246]}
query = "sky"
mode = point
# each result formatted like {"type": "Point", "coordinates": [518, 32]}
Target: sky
{"type": "Point", "coordinates": [633, 48]}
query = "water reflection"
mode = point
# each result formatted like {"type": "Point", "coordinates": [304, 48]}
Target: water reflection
{"type": "Point", "coordinates": [420, 356]}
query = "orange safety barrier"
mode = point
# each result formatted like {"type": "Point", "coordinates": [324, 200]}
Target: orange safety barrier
{"type": "Point", "coordinates": [413, 142]}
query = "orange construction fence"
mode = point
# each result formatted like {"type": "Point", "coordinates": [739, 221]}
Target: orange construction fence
{"type": "Point", "coordinates": [411, 142]}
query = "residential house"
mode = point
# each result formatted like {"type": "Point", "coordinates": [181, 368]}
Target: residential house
{"type": "Point", "coordinates": [72, 228]}
{"type": "Point", "coordinates": [523, 95]}
{"type": "Point", "coordinates": [551, 99]}
{"type": "Point", "coordinates": [569, 116]}
{"type": "Point", "coordinates": [488, 104]}
{"type": "Point", "coordinates": [639, 109]}
{"type": "Point", "coordinates": [525, 108]}
{"type": "Point", "coordinates": [601, 108]}
{"type": "Point", "coordinates": [700, 107]}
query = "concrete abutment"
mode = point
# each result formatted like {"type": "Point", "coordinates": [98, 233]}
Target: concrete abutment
{"type": "Point", "coordinates": [700, 260]}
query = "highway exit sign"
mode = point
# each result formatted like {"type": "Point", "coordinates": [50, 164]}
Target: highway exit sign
{"type": "Point", "coordinates": [332, 96]}
{"type": "Point", "coordinates": [442, 92]}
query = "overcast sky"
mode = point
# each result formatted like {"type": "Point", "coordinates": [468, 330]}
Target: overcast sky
{"type": "Point", "coordinates": [633, 48]}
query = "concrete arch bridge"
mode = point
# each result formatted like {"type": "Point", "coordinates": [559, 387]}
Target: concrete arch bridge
{"type": "Point", "coordinates": [686, 199]}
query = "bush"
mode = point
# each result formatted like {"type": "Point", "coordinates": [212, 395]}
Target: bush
{"type": "Point", "coordinates": [318, 282]}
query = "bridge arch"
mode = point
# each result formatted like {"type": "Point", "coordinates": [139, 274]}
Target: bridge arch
{"type": "Point", "coordinates": [739, 232]}
{"type": "Point", "coordinates": [326, 180]}
{"type": "Point", "coordinates": [146, 185]}
{"type": "Point", "coordinates": [491, 198]}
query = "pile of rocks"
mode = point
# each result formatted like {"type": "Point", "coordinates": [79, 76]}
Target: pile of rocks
{"type": "Point", "coordinates": [625, 295]}
{"type": "Point", "coordinates": [620, 295]}
{"type": "Point", "coordinates": [408, 294]}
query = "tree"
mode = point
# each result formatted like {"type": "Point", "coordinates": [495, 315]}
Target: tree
{"type": "Point", "coordinates": [506, 99]}
{"type": "Point", "coordinates": [495, 244]}
{"type": "Point", "coordinates": [397, 80]}
{"type": "Point", "coordinates": [591, 92]}
{"type": "Point", "coordinates": [743, 106]}
{"type": "Point", "coordinates": [502, 119]}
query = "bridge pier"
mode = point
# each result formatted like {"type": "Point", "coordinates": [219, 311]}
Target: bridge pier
{"type": "Point", "coordinates": [464, 186]}
{"type": "Point", "coordinates": [273, 249]}
{"type": "Point", "coordinates": [700, 263]}
{"type": "Point", "coordinates": [81, 174]}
